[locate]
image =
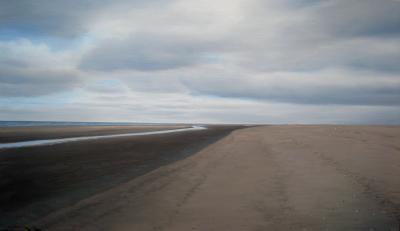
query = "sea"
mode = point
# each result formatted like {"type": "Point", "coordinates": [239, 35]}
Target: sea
{"type": "Point", "coordinates": [67, 123]}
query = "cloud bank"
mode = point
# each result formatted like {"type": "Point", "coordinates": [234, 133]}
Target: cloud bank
{"type": "Point", "coordinates": [241, 61]}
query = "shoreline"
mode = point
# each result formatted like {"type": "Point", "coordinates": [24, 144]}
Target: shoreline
{"type": "Point", "coordinates": [17, 134]}
{"type": "Point", "coordinates": [33, 143]}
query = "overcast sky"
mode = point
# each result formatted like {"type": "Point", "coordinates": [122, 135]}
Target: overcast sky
{"type": "Point", "coordinates": [231, 61]}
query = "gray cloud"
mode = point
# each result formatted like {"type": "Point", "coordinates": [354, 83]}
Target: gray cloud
{"type": "Point", "coordinates": [150, 52]}
{"type": "Point", "coordinates": [325, 34]}
{"type": "Point", "coordinates": [29, 70]}
{"type": "Point", "coordinates": [46, 16]}
{"type": "Point", "coordinates": [34, 82]}
{"type": "Point", "coordinates": [363, 53]}
{"type": "Point", "coordinates": [316, 36]}
{"type": "Point", "coordinates": [320, 88]}
{"type": "Point", "coordinates": [352, 17]}
{"type": "Point", "coordinates": [361, 18]}
{"type": "Point", "coordinates": [295, 54]}
{"type": "Point", "coordinates": [59, 17]}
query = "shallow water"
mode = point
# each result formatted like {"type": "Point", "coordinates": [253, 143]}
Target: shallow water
{"type": "Point", "coordinates": [73, 139]}
{"type": "Point", "coordinates": [67, 123]}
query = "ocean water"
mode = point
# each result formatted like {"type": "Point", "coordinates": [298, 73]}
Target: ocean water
{"type": "Point", "coordinates": [66, 123]}
{"type": "Point", "coordinates": [31, 143]}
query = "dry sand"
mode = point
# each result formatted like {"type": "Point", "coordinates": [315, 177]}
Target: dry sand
{"type": "Point", "coordinates": [260, 178]}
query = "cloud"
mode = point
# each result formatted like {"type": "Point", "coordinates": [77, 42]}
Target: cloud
{"type": "Point", "coordinates": [150, 107]}
{"type": "Point", "coordinates": [34, 82]}
{"type": "Point", "coordinates": [318, 88]}
{"type": "Point", "coordinates": [263, 35]}
{"type": "Point", "coordinates": [280, 36]}
{"type": "Point", "coordinates": [27, 69]}
{"type": "Point", "coordinates": [296, 57]}
{"type": "Point", "coordinates": [144, 53]}
{"type": "Point", "coordinates": [360, 18]}
{"type": "Point", "coordinates": [46, 16]}
{"type": "Point", "coordinates": [59, 17]}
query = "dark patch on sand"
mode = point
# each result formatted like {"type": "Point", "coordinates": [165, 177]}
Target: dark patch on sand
{"type": "Point", "coordinates": [38, 180]}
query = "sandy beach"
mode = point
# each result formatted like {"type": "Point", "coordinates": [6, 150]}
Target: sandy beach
{"type": "Point", "coordinates": [258, 178]}
{"type": "Point", "coordinates": [185, 115]}
{"type": "Point", "coordinates": [262, 178]}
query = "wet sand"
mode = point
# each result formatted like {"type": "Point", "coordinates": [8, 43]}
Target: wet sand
{"type": "Point", "coordinates": [259, 178]}
{"type": "Point", "coordinates": [36, 181]}
{"type": "Point", "coordinates": [45, 142]}
{"type": "Point", "coordinates": [15, 134]}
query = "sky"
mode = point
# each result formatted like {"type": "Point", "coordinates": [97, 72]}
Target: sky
{"type": "Point", "coordinates": [201, 61]}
